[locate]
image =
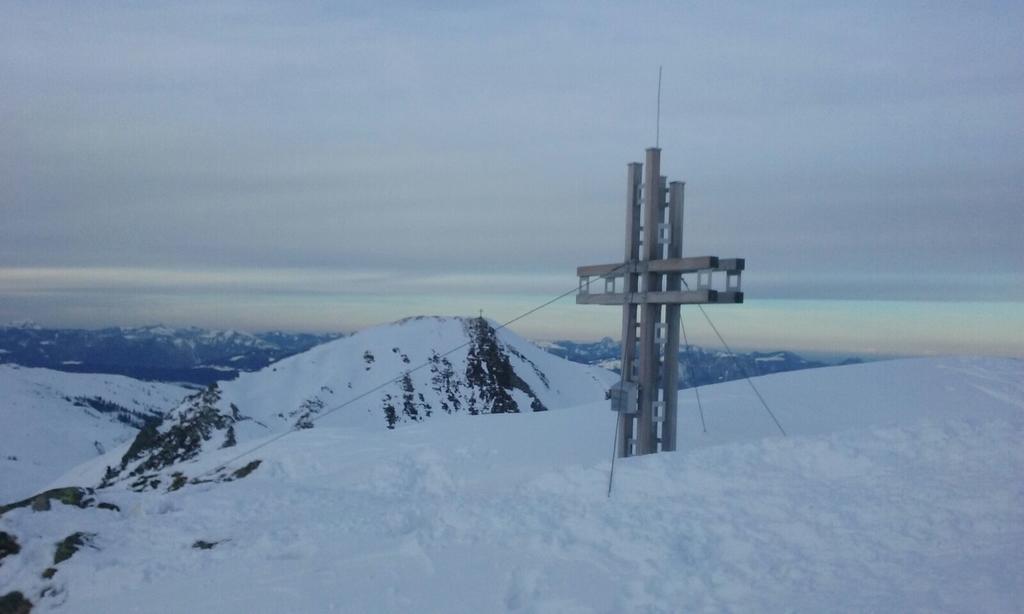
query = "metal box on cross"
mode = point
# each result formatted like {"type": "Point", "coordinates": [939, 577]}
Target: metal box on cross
{"type": "Point", "coordinates": [649, 285]}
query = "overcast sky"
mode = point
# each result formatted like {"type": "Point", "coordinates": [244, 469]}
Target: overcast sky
{"type": "Point", "coordinates": [332, 165]}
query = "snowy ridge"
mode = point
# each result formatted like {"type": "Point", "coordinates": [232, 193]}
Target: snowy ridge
{"type": "Point", "coordinates": [491, 372]}
{"type": "Point", "coordinates": [897, 491]}
{"type": "Point", "coordinates": [478, 378]}
{"type": "Point", "coordinates": [496, 372]}
{"type": "Point", "coordinates": [53, 421]}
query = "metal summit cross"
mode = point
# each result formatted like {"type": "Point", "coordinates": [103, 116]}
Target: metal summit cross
{"type": "Point", "coordinates": [648, 286]}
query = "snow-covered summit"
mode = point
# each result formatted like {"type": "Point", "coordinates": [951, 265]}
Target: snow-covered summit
{"type": "Point", "coordinates": [410, 371]}
{"type": "Point", "coordinates": [443, 365]}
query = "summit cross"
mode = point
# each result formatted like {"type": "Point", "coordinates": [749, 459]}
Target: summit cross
{"type": "Point", "coordinates": [648, 285]}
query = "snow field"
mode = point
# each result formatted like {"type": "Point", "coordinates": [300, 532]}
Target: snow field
{"type": "Point", "coordinates": [898, 490]}
{"type": "Point", "coordinates": [44, 433]}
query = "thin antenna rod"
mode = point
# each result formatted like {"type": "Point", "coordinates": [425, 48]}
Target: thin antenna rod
{"type": "Point", "coordinates": [657, 124]}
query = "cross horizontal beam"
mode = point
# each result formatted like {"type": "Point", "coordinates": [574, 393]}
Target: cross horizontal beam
{"type": "Point", "coordinates": [666, 265]}
{"type": "Point", "coordinates": [678, 297]}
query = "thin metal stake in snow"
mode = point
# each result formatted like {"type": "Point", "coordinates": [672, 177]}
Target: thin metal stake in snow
{"type": "Point", "coordinates": [615, 450]}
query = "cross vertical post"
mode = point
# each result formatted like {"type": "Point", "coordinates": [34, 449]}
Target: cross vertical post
{"type": "Point", "coordinates": [634, 177]}
{"type": "Point", "coordinates": [650, 313]}
{"type": "Point", "coordinates": [651, 294]}
{"type": "Point", "coordinates": [672, 284]}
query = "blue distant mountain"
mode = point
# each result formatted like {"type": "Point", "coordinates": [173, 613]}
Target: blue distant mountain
{"type": "Point", "coordinates": [159, 353]}
{"type": "Point", "coordinates": [697, 366]}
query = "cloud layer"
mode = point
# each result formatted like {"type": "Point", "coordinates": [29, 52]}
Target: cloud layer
{"type": "Point", "coordinates": [848, 151]}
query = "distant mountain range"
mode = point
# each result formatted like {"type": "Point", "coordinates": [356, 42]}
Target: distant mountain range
{"type": "Point", "coordinates": [697, 366]}
{"type": "Point", "coordinates": [159, 353]}
{"type": "Point", "coordinates": [199, 356]}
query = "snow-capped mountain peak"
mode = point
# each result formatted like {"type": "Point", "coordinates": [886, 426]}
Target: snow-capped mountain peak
{"type": "Point", "coordinates": [413, 370]}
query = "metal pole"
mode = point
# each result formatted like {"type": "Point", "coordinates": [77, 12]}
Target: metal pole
{"type": "Point", "coordinates": [647, 437]}
{"type": "Point", "coordinates": [634, 174]}
{"type": "Point", "coordinates": [670, 383]}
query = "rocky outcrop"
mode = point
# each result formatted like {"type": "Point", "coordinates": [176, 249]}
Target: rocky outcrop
{"type": "Point", "coordinates": [79, 497]}
{"type": "Point", "coordinates": [15, 603]}
{"type": "Point", "coordinates": [180, 437]}
{"type": "Point", "coordinates": [67, 547]}
{"type": "Point", "coordinates": [490, 374]}
{"type": "Point", "coordinates": [486, 385]}
{"type": "Point", "coordinates": [8, 545]}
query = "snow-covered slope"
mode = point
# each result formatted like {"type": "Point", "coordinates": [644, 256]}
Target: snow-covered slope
{"type": "Point", "coordinates": [51, 421]}
{"type": "Point", "coordinates": [444, 367]}
{"type": "Point", "coordinates": [897, 490]}
{"type": "Point", "coordinates": [490, 372]}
